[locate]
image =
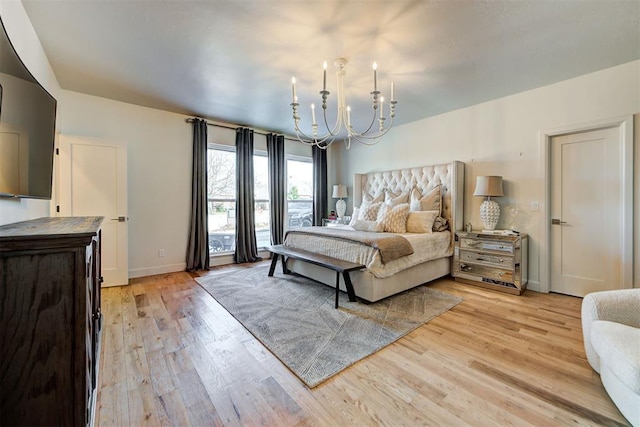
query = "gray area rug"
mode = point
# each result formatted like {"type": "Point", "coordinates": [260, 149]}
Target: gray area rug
{"type": "Point", "coordinates": [295, 318]}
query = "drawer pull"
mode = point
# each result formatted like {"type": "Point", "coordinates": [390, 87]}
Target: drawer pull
{"type": "Point", "coordinates": [500, 274]}
{"type": "Point", "coordinates": [473, 242]}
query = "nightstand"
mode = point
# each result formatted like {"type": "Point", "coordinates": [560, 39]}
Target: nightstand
{"type": "Point", "coordinates": [326, 222]}
{"type": "Point", "coordinates": [491, 261]}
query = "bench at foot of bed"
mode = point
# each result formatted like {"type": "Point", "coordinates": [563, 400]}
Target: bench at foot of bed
{"type": "Point", "coordinates": [335, 264]}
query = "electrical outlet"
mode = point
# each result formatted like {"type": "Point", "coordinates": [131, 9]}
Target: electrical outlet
{"type": "Point", "coordinates": [161, 253]}
{"type": "Point", "coordinates": [535, 206]}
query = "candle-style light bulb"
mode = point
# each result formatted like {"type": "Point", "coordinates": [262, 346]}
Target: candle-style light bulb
{"type": "Point", "coordinates": [381, 101]}
{"type": "Point", "coordinates": [313, 114]}
{"type": "Point", "coordinates": [375, 77]}
{"type": "Point", "coordinates": [348, 116]}
{"type": "Point", "coordinates": [392, 96]}
{"type": "Point", "coordinates": [324, 77]}
{"type": "Point", "coordinates": [293, 90]}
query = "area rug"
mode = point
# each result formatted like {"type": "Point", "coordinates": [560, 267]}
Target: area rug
{"type": "Point", "coordinates": [295, 318]}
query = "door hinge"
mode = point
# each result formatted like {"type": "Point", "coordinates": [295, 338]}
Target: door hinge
{"type": "Point", "coordinates": [57, 151]}
{"type": "Point", "coordinates": [58, 208]}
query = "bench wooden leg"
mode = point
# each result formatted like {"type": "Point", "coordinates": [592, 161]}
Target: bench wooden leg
{"type": "Point", "coordinates": [274, 261]}
{"type": "Point", "coordinates": [284, 265]}
{"type": "Point", "coordinates": [349, 286]}
{"type": "Point", "coordinates": [337, 287]}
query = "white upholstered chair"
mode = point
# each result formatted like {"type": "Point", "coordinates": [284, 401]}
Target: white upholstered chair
{"type": "Point", "coordinates": [611, 331]}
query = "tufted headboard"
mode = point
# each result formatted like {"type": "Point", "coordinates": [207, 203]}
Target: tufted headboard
{"type": "Point", "coordinates": [450, 175]}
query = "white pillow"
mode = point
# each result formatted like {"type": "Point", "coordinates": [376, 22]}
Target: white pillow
{"type": "Point", "coordinates": [369, 211]}
{"type": "Point", "coordinates": [354, 216]}
{"type": "Point", "coordinates": [394, 219]}
{"type": "Point", "coordinates": [360, 225]}
{"type": "Point", "coordinates": [393, 199]}
{"type": "Point", "coordinates": [421, 221]}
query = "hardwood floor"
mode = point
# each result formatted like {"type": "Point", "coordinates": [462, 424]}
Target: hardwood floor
{"type": "Point", "coordinates": [171, 355]}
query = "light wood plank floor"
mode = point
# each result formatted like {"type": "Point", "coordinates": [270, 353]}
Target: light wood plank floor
{"type": "Point", "coordinates": [171, 355]}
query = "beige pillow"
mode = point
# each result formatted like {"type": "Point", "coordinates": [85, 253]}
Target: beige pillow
{"type": "Point", "coordinates": [394, 218]}
{"type": "Point", "coordinates": [395, 199]}
{"type": "Point", "coordinates": [421, 221]}
{"type": "Point", "coordinates": [360, 225]}
{"type": "Point", "coordinates": [369, 211]}
{"type": "Point", "coordinates": [429, 202]}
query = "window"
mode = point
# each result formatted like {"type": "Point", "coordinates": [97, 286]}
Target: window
{"type": "Point", "coordinates": [221, 196]}
{"type": "Point", "coordinates": [300, 192]}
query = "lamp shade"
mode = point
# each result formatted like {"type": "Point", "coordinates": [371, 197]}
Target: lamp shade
{"type": "Point", "coordinates": [488, 186]}
{"type": "Point", "coordinates": [339, 191]}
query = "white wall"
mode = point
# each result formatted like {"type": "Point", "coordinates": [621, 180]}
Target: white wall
{"type": "Point", "coordinates": [501, 137]}
{"type": "Point", "coordinates": [26, 42]}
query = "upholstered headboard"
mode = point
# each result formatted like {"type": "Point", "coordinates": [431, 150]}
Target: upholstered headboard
{"type": "Point", "coordinates": [450, 175]}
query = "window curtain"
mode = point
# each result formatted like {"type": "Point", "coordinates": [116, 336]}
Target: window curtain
{"type": "Point", "coordinates": [246, 245]}
{"type": "Point", "coordinates": [320, 205]}
{"type": "Point", "coordinates": [277, 195]}
{"type": "Point", "coordinates": [198, 244]}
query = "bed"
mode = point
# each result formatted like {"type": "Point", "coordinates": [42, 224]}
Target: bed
{"type": "Point", "coordinates": [382, 279]}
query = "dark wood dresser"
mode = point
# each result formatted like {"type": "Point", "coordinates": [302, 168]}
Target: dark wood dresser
{"type": "Point", "coordinates": [50, 321]}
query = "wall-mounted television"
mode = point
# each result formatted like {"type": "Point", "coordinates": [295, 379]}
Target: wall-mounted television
{"type": "Point", "coordinates": [27, 128]}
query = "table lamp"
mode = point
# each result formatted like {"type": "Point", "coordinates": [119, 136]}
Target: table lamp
{"type": "Point", "coordinates": [340, 191]}
{"type": "Point", "coordinates": [489, 186]}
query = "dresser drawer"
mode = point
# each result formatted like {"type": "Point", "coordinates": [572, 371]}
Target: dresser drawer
{"type": "Point", "coordinates": [505, 261]}
{"type": "Point", "coordinates": [487, 271]}
{"type": "Point", "coordinates": [486, 245]}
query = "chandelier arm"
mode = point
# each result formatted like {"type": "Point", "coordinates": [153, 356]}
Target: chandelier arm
{"type": "Point", "coordinates": [337, 126]}
{"type": "Point", "coordinates": [373, 120]}
{"type": "Point", "coordinates": [371, 139]}
{"type": "Point", "coordinates": [306, 139]}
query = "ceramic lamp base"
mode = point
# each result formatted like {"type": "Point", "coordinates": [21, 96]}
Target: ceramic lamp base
{"type": "Point", "coordinates": [341, 208]}
{"type": "Point", "coordinates": [489, 214]}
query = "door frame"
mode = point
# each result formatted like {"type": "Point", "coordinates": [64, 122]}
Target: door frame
{"type": "Point", "coordinates": [625, 128]}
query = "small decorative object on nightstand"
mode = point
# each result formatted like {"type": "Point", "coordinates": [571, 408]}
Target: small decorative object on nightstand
{"type": "Point", "coordinates": [339, 192]}
{"type": "Point", "coordinates": [494, 261]}
{"type": "Point", "coordinates": [489, 186]}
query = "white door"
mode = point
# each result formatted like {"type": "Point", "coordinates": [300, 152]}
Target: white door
{"type": "Point", "coordinates": [587, 212]}
{"type": "Point", "coordinates": [93, 182]}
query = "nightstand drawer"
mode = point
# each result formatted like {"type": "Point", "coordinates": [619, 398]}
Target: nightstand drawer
{"type": "Point", "coordinates": [505, 261]}
{"type": "Point", "coordinates": [485, 245]}
{"type": "Point", "coordinates": [488, 272]}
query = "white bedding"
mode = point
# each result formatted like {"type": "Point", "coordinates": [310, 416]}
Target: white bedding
{"type": "Point", "coordinates": [426, 247]}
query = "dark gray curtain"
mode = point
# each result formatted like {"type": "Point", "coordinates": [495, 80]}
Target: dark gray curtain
{"type": "Point", "coordinates": [277, 194]}
{"type": "Point", "coordinates": [246, 246]}
{"type": "Point", "coordinates": [319, 184]}
{"type": "Point", "coordinates": [198, 245]}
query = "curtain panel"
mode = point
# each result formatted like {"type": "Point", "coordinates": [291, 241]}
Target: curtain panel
{"type": "Point", "coordinates": [198, 244]}
{"type": "Point", "coordinates": [277, 194]}
{"type": "Point", "coordinates": [246, 245]}
{"type": "Point", "coordinates": [320, 203]}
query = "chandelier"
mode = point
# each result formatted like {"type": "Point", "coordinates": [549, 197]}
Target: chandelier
{"type": "Point", "coordinates": [370, 136]}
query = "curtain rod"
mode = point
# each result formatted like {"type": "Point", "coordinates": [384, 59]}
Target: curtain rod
{"type": "Point", "coordinates": [236, 127]}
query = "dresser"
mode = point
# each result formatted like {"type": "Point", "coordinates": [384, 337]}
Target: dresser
{"type": "Point", "coordinates": [492, 261]}
{"type": "Point", "coordinates": [50, 277]}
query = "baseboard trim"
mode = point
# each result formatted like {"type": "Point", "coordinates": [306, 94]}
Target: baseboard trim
{"type": "Point", "coordinates": [161, 269]}
{"type": "Point", "coordinates": [534, 286]}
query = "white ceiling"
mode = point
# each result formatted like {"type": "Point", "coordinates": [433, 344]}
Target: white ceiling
{"type": "Point", "coordinates": [233, 60]}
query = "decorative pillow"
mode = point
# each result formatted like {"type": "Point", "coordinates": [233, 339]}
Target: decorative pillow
{"type": "Point", "coordinates": [354, 216]}
{"type": "Point", "coordinates": [369, 211]}
{"type": "Point", "coordinates": [360, 225]}
{"type": "Point", "coordinates": [394, 219]}
{"type": "Point", "coordinates": [368, 198]}
{"type": "Point", "coordinates": [421, 221]}
{"type": "Point", "coordinates": [429, 202]}
{"type": "Point", "coordinates": [395, 199]}
{"type": "Point", "coordinates": [440, 224]}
